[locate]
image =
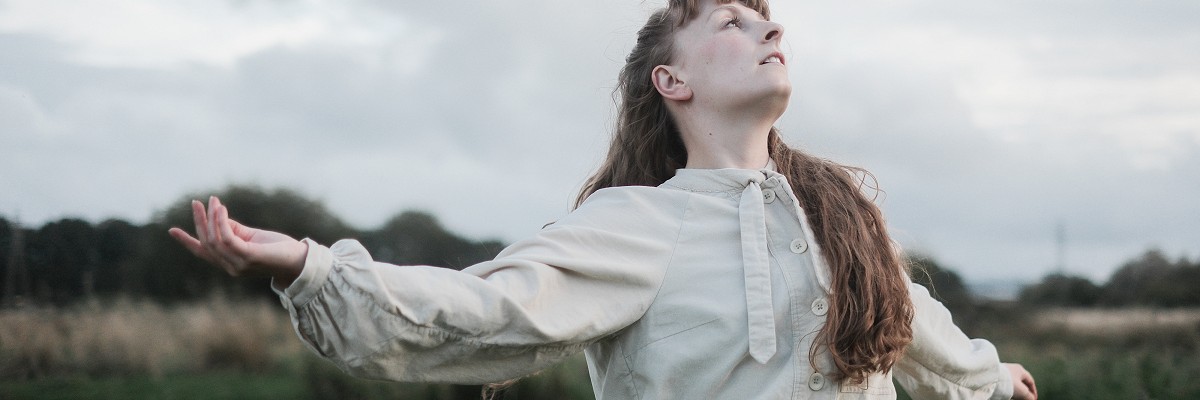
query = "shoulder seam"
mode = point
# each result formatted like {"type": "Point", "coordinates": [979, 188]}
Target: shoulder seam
{"type": "Point", "coordinates": [674, 248]}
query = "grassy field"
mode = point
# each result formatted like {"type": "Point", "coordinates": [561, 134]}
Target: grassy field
{"type": "Point", "coordinates": [1110, 354]}
{"type": "Point", "coordinates": [219, 349]}
{"type": "Point", "coordinates": [215, 349]}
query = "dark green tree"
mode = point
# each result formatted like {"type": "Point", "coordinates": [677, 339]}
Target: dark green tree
{"type": "Point", "coordinates": [15, 278]}
{"type": "Point", "coordinates": [5, 245]}
{"type": "Point", "coordinates": [5, 258]}
{"type": "Point", "coordinates": [417, 238]}
{"type": "Point", "coordinates": [70, 258]}
{"type": "Point", "coordinates": [1153, 280]}
{"type": "Point", "coordinates": [1063, 291]}
{"type": "Point", "coordinates": [62, 258]}
{"type": "Point", "coordinates": [118, 246]}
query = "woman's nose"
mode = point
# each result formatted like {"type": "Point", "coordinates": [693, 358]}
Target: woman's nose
{"type": "Point", "coordinates": [774, 31]}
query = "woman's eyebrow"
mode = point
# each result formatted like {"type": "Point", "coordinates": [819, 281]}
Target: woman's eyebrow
{"type": "Point", "coordinates": [729, 7]}
{"type": "Point", "coordinates": [733, 9]}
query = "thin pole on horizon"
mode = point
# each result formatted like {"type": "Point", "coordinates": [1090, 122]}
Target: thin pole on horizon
{"type": "Point", "coordinates": [1060, 239]}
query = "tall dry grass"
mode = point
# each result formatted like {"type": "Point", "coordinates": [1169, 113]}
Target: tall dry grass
{"type": "Point", "coordinates": [1149, 328]}
{"type": "Point", "coordinates": [127, 340]}
{"type": "Point", "coordinates": [137, 337]}
{"type": "Point", "coordinates": [1099, 321]}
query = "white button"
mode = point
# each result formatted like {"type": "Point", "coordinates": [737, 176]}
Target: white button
{"type": "Point", "coordinates": [820, 306]}
{"type": "Point", "coordinates": [799, 246]}
{"type": "Point", "coordinates": [816, 381]}
{"type": "Point", "coordinates": [768, 195]}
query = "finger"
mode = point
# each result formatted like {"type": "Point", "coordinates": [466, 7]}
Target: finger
{"type": "Point", "coordinates": [212, 237]}
{"type": "Point", "coordinates": [1027, 386]}
{"type": "Point", "coordinates": [192, 244]}
{"type": "Point", "coordinates": [241, 231]}
{"type": "Point", "coordinates": [232, 241]}
{"type": "Point", "coordinates": [205, 232]}
{"type": "Point", "coordinates": [200, 221]}
{"type": "Point", "coordinates": [213, 234]}
{"type": "Point", "coordinates": [230, 247]}
{"type": "Point", "coordinates": [188, 242]}
{"type": "Point", "coordinates": [220, 213]}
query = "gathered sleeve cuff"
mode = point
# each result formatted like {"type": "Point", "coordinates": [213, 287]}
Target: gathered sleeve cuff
{"type": "Point", "coordinates": [317, 265]}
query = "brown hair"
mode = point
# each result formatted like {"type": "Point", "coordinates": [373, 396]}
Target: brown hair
{"type": "Point", "coordinates": [869, 321]}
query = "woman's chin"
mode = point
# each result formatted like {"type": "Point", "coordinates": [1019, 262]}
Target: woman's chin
{"type": "Point", "coordinates": [778, 97]}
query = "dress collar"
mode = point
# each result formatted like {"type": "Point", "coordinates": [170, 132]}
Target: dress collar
{"type": "Point", "coordinates": [723, 179]}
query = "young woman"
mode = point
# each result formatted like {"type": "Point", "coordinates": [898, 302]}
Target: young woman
{"type": "Point", "coordinates": [705, 259]}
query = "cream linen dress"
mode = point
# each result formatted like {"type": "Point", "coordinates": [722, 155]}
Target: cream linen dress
{"type": "Point", "coordinates": [708, 286]}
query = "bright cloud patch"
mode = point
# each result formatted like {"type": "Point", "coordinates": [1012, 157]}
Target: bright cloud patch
{"type": "Point", "coordinates": [155, 34]}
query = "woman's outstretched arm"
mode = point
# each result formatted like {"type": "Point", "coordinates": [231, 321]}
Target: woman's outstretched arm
{"type": "Point", "coordinates": [540, 301]}
{"type": "Point", "coordinates": [943, 363]}
{"type": "Point", "coordinates": [238, 249]}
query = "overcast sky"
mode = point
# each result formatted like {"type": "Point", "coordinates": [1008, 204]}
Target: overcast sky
{"type": "Point", "coordinates": [988, 124]}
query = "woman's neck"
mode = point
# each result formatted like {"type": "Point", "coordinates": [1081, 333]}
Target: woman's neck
{"type": "Point", "coordinates": [714, 143]}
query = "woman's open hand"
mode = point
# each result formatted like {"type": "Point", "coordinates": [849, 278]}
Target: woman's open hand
{"type": "Point", "coordinates": [1023, 386]}
{"type": "Point", "coordinates": [239, 249]}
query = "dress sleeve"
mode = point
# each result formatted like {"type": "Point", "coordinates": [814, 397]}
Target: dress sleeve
{"type": "Point", "coordinates": [942, 363]}
{"type": "Point", "coordinates": [540, 301]}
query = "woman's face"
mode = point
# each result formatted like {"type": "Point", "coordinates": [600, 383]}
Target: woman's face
{"type": "Point", "coordinates": [729, 56]}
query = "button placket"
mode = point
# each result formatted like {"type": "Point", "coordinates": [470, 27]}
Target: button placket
{"type": "Point", "coordinates": [768, 195]}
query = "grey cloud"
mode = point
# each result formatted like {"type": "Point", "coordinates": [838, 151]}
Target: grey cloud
{"type": "Point", "coordinates": [288, 113]}
{"type": "Point", "coordinates": [988, 206]}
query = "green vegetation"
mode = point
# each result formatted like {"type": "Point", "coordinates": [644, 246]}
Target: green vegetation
{"type": "Point", "coordinates": [210, 385]}
{"type": "Point", "coordinates": [70, 260]}
{"type": "Point", "coordinates": [317, 380]}
{"type": "Point", "coordinates": [1109, 372]}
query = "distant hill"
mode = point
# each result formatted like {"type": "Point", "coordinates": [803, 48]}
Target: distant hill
{"type": "Point", "coordinates": [995, 289]}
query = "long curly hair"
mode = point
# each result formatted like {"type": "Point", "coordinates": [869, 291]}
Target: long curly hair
{"type": "Point", "coordinates": [869, 321]}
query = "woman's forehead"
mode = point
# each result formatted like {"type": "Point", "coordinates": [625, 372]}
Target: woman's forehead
{"type": "Point", "coordinates": [690, 9]}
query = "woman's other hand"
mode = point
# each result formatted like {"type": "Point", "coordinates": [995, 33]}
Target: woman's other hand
{"type": "Point", "coordinates": [1023, 386]}
{"type": "Point", "coordinates": [241, 250]}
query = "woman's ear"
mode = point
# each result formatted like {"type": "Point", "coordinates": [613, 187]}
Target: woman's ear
{"type": "Point", "coordinates": [669, 85]}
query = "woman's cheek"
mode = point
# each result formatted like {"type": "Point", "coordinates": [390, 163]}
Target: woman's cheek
{"type": "Point", "coordinates": [714, 51]}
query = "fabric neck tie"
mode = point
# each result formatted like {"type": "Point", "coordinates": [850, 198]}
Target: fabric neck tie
{"type": "Point", "coordinates": [760, 312]}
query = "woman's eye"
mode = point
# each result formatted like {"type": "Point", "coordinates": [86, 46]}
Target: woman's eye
{"type": "Point", "coordinates": [735, 21]}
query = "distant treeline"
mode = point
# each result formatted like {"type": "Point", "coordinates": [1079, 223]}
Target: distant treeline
{"type": "Point", "coordinates": [1150, 280]}
{"type": "Point", "coordinates": [71, 259]}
